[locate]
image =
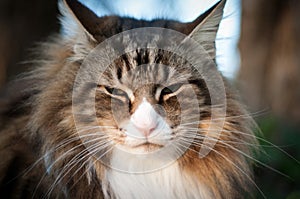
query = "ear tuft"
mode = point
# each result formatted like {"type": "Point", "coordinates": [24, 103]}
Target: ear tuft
{"type": "Point", "coordinates": [76, 19]}
{"type": "Point", "coordinates": [69, 24]}
{"type": "Point", "coordinates": [206, 27]}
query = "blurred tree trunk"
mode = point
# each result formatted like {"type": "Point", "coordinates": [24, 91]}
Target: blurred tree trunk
{"type": "Point", "coordinates": [22, 23]}
{"type": "Point", "coordinates": [270, 57]}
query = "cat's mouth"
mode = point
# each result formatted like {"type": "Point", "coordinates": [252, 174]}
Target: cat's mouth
{"type": "Point", "coordinates": [148, 146]}
{"type": "Point", "coordinates": [141, 146]}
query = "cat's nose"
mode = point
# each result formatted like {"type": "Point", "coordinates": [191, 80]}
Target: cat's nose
{"type": "Point", "coordinates": [145, 118]}
{"type": "Point", "coordinates": [145, 128]}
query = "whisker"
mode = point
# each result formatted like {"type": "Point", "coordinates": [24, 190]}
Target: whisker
{"type": "Point", "coordinates": [246, 155]}
{"type": "Point", "coordinates": [61, 157]}
{"type": "Point", "coordinates": [89, 167]}
{"type": "Point", "coordinates": [57, 147]}
{"type": "Point", "coordinates": [74, 161]}
{"type": "Point", "coordinates": [236, 166]}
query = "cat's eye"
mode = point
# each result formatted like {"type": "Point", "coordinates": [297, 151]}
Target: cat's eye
{"type": "Point", "coordinates": [114, 92]}
{"type": "Point", "coordinates": [169, 91]}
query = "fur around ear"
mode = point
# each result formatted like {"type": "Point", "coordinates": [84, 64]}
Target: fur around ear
{"type": "Point", "coordinates": [205, 27]}
{"type": "Point", "coordinates": [76, 19]}
{"type": "Point", "coordinates": [80, 23]}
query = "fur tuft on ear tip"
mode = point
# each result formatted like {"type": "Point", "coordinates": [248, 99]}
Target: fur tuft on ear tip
{"type": "Point", "coordinates": [73, 31]}
{"type": "Point", "coordinates": [206, 26]}
{"type": "Point", "coordinates": [77, 19]}
{"type": "Point", "coordinates": [69, 24]}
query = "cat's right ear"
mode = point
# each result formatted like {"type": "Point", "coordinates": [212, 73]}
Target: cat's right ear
{"type": "Point", "coordinates": [71, 26]}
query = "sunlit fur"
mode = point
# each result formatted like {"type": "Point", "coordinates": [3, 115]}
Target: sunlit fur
{"type": "Point", "coordinates": [44, 156]}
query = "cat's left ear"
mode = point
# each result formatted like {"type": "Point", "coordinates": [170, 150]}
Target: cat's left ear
{"type": "Point", "coordinates": [204, 28]}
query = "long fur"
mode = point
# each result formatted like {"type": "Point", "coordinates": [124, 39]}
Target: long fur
{"type": "Point", "coordinates": [44, 156]}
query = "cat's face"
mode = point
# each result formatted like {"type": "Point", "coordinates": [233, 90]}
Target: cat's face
{"type": "Point", "coordinates": [147, 101]}
{"type": "Point", "coordinates": [147, 98]}
{"type": "Point", "coordinates": [146, 106]}
{"type": "Point", "coordinates": [151, 94]}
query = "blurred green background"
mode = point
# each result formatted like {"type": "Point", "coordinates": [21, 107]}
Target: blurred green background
{"type": "Point", "coordinates": [286, 137]}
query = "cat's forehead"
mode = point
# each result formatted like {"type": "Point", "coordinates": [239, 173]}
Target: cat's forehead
{"type": "Point", "coordinates": [147, 66]}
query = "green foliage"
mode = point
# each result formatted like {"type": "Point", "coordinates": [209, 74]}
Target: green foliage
{"type": "Point", "coordinates": [284, 157]}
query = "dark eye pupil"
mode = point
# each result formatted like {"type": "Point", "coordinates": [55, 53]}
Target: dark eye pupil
{"type": "Point", "coordinates": [166, 91]}
{"type": "Point", "coordinates": [109, 89]}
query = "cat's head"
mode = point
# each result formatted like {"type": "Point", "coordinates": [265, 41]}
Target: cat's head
{"type": "Point", "coordinates": [152, 92]}
{"type": "Point", "coordinates": [140, 91]}
{"type": "Point", "coordinates": [139, 85]}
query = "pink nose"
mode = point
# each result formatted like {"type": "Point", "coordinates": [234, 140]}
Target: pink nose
{"type": "Point", "coordinates": [146, 128]}
{"type": "Point", "coordinates": [145, 119]}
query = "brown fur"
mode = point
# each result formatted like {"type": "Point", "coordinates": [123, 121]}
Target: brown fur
{"type": "Point", "coordinates": [36, 116]}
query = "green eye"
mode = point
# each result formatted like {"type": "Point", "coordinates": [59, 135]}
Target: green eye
{"type": "Point", "coordinates": [115, 91]}
{"type": "Point", "coordinates": [170, 89]}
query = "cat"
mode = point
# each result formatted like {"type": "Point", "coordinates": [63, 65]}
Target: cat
{"type": "Point", "coordinates": [145, 126]}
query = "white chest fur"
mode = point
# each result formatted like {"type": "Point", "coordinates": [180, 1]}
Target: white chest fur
{"type": "Point", "coordinates": [167, 183]}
